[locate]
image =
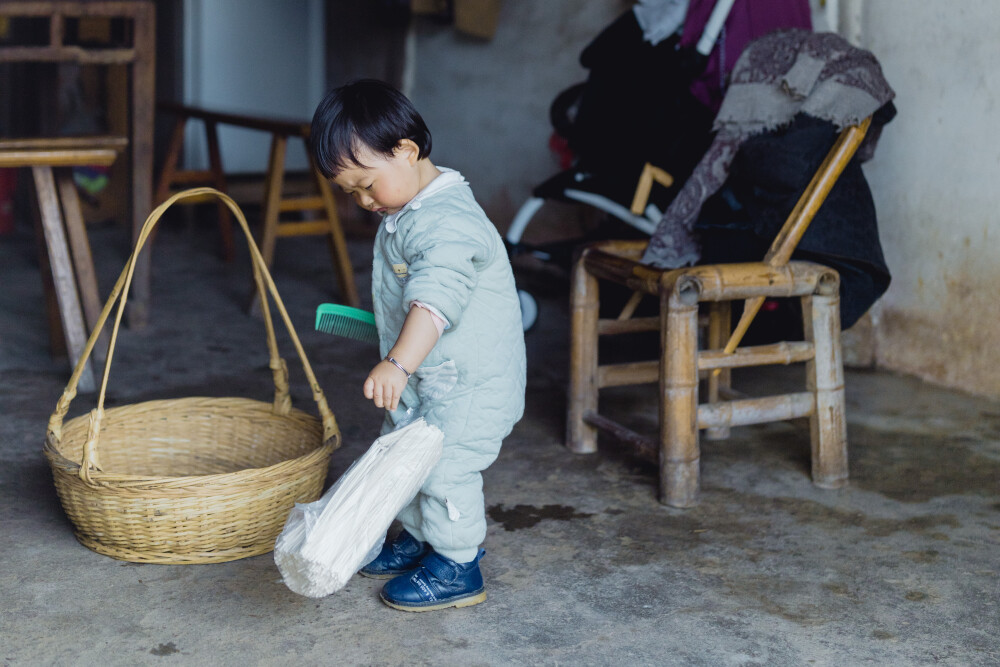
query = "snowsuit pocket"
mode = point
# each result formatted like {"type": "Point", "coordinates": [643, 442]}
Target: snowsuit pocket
{"type": "Point", "coordinates": [436, 381]}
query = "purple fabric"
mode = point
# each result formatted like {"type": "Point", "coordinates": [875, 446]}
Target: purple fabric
{"type": "Point", "coordinates": [748, 20]}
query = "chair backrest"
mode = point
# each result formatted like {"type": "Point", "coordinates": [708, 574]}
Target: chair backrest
{"type": "Point", "coordinates": [802, 215]}
{"type": "Point", "coordinates": [815, 193]}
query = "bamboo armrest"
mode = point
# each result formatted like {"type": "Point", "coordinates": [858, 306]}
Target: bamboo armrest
{"type": "Point", "coordinates": [631, 248]}
{"type": "Point", "coordinates": [731, 282]}
{"type": "Point", "coordinates": [620, 269]}
{"type": "Point", "coordinates": [264, 123]}
{"type": "Point", "coordinates": [715, 282]}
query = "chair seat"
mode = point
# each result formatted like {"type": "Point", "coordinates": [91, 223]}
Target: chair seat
{"type": "Point", "coordinates": [617, 261]}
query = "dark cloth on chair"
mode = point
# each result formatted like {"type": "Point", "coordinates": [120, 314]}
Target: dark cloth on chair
{"type": "Point", "coordinates": [629, 111]}
{"type": "Point", "coordinates": [765, 180]}
{"type": "Point", "coordinates": [792, 91]}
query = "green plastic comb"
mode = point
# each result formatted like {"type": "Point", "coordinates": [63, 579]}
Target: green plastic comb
{"type": "Point", "coordinates": [333, 318]}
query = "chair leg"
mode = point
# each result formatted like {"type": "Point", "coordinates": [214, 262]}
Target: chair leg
{"type": "Point", "coordinates": [825, 379]}
{"type": "Point", "coordinates": [168, 172]}
{"type": "Point", "coordinates": [719, 327]}
{"type": "Point", "coordinates": [62, 273]}
{"type": "Point", "coordinates": [581, 437]}
{"type": "Point", "coordinates": [169, 169]}
{"type": "Point", "coordinates": [337, 241]}
{"type": "Point", "coordinates": [679, 450]}
{"type": "Point", "coordinates": [274, 183]}
{"type": "Point", "coordinates": [273, 187]}
{"type": "Point", "coordinates": [219, 183]}
{"type": "Point", "coordinates": [57, 340]}
{"type": "Point", "coordinates": [83, 262]}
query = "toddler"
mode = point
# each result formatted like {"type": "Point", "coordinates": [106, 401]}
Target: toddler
{"type": "Point", "coordinates": [450, 333]}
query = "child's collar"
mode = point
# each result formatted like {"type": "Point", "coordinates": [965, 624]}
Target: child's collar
{"type": "Point", "coordinates": [446, 179]}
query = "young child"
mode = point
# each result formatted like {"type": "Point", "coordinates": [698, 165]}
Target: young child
{"type": "Point", "coordinates": [450, 332]}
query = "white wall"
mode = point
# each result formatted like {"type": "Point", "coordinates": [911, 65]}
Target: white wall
{"type": "Point", "coordinates": [935, 181]}
{"type": "Point", "coordinates": [252, 56]}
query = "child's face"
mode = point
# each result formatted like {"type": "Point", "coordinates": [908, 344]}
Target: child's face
{"type": "Point", "coordinates": [383, 185]}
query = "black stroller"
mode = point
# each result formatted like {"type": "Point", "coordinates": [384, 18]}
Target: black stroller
{"type": "Point", "coordinates": [626, 114]}
{"type": "Point", "coordinates": [634, 122]}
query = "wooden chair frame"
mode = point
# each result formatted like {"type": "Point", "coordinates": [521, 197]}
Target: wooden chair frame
{"type": "Point", "coordinates": [681, 363]}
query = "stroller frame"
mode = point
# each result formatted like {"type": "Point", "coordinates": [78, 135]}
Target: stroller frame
{"type": "Point", "coordinates": [642, 216]}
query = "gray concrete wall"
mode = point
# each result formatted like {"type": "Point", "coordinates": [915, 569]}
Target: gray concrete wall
{"type": "Point", "coordinates": [935, 185]}
{"type": "Point", "coordinates": [487, 102]}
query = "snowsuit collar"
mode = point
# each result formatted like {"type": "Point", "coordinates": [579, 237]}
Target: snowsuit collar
{"type": "Point", "coordinates": [446, 179]}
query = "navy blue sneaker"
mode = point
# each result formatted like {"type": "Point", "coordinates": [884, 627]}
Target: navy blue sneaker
{"type": "Point", "coordinates": [400, 556]}
{"type": "Point", "coordinates": [438, 583]}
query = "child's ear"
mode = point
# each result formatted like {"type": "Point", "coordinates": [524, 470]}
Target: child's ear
{"type": "Point", "coordinates": [407, 149]}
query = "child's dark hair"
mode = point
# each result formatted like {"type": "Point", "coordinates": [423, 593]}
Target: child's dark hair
{"type": "Point", "coordinates": [363, 114]}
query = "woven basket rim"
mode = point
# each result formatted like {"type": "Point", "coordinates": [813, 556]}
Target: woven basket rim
{"type": "Point", "coordinates": [171, 558]}
{"type": "Point", "coordinates": [64, 465]}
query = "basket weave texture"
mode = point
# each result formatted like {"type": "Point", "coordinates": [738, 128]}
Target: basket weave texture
{"type": "Point", "coordinates": [195, 479]}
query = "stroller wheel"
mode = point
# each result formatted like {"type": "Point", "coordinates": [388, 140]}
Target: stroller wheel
{"type": "Point", "coordinates": [529, 309]}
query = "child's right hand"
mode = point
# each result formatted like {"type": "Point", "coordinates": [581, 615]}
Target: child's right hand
{"type": "Point", "coordinates": [387, 380]}
{"type": "Point", "coordinates": [385, 385]}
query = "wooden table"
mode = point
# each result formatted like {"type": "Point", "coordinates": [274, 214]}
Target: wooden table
{"type": "Point", "coordinates": [139, 57]}
{"type": "Point", "coordinates": [74, 280]}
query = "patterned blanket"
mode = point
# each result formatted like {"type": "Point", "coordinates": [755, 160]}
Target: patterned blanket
{"type": "Point", "coordinates": [777, 77]}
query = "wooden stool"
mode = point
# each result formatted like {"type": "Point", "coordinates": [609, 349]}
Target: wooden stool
{"type": "Point", "coordinates": [171, 176]}
{"type": "Point", "coordinates": [73, 278]}
{"type": "Point", "coordinates": [138, 57]}
{"type": "Point", "coordinates": [275, 200]}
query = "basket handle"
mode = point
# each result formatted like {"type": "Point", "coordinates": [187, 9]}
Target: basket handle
{"type": "Point", "coordinates": [262, 278]}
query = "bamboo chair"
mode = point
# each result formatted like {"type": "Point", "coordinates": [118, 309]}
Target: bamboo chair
{"type": "Point", "coordinates": [681, 363]}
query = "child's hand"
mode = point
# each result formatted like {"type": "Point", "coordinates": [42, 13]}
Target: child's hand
{"type": "Point", "coordinates": [385, 385]}
{"type": "Point", "coordinates": [387, 380]}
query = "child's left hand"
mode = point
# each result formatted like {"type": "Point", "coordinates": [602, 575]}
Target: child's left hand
{"type": "Point", "coordinates": [385, 385]}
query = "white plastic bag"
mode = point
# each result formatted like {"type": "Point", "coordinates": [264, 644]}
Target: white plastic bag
{"type": "Point", "coordinates": [325, 542]}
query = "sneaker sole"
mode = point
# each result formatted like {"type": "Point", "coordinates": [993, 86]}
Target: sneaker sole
{"type": "Point", "coordinates": [463, 602]}
{"type": "Point", "coordinates": [382, 575]}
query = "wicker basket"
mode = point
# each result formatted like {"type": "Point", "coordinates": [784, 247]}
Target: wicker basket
{"type": "Point", "coordinates": [189, 480]}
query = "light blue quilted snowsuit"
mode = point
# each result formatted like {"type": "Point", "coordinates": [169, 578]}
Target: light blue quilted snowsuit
{"type": "Point", "coordinates": [442, 250]}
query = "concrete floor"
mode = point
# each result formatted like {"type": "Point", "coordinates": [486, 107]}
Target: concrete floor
{"type": "Point", "coordinates": [583, 565]}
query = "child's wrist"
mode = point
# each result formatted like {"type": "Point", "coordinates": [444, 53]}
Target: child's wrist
{"type": "Point", "coordinates": [398, 365]}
